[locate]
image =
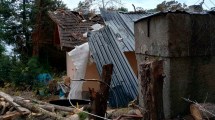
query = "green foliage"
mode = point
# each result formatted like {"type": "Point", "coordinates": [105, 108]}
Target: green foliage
{"type": "Point", "coordinates": [170, 6]}
{"type": "Point", "coordinates": [82, 115]}
{"type": "Point", "coordinates": [18, 20]}
{"type": "Point", "coordinates": [21, 75]}
{"type": "Point", "coordinates": [123, 9]}
{"type": "Point", "coordinates": [5, 67]}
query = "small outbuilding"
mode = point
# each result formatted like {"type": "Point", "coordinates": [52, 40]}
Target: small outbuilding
{"type": "Point", "coordinates": [70, 29]}
{"type": "Point", "coordinates": [186, 44]}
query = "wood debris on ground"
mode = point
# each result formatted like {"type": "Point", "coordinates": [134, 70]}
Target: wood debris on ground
{"type": "Point", "coordinates": [12, 107]}
{"type": "Point", "coordinates": [15, 107]}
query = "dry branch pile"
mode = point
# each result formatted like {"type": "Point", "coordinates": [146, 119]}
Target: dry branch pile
{"type": "Point", "coordinates": [13, 107]}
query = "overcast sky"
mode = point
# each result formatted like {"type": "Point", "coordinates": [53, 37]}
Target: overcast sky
{"type": "Point", "coordinates": [146, 4]}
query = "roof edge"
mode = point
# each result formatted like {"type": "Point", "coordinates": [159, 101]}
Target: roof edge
{"type": "Point", "coordinates": [174, 12]}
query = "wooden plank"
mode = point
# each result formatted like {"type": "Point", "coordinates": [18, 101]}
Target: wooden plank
{"type": "Point", "coordinates": [99, 99]}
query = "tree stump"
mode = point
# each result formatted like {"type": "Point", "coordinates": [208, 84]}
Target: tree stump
{"type": "Point", "coordinates": [151, 79]}
{"type": "Point", "coordinates": [99, 99]}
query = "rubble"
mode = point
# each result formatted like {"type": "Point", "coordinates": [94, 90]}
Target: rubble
{"type": "Point", "coordinates": [14, 107]}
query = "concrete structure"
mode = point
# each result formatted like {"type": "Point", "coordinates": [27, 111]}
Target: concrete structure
{"type": "Point", "coordinates": [186, 42]}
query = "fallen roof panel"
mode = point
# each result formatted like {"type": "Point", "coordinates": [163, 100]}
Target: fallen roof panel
{"type": "Point", "coordinates": [123, 26]}
{"type": "Point", "coordinates": [105, 51]}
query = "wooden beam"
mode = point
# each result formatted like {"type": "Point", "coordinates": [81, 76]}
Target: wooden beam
{"type": "Point", "coordinates": [151, 78]}
{"type": "Point", "coordinates": [99, 99]}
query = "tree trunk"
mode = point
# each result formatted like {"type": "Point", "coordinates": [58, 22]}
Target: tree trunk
{"type": "Point", "coordinates": [202, 111]}
{"type": "Point", "coordinates": [151, 78]}
{"type": "Point", "coordinates": [99, 99]}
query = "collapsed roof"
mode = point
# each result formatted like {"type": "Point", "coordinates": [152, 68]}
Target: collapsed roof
{"type": "Point", "coordinates": [71, 26]}
{"type": "Point", "coordinates": [106, 51]}
{"type": "Point", "coordinates": [107, 46]}
{"type": "Point", "coordinates": [123, 26]}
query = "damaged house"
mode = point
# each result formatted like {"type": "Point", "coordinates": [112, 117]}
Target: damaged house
{"type": "Point", "coordinates": [186, 44]}
{"type": "Point", "coordinates": [70, 29]}
{"type": "Point", "coordinates": [115, 44]}
{"type": "Point", "coordinates": [112, 44]}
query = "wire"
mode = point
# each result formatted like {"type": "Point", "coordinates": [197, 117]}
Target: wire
{"type": "Point", "coordinates": [94, 80]}
{"type": "Point", "coordinates": [85, 111]}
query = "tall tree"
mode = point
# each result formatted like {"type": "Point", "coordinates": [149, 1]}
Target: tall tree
{"type": "Point", "coordinates": [171, 5]}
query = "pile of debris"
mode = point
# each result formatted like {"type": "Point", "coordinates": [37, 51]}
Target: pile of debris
{"type": "Point", "coordinates": [14, 107]}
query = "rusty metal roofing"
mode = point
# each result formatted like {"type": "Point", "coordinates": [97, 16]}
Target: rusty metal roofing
{"type": "Point", "coordinates": [105, 50]}
{"type": "Point", "coordinates": [123, 26]}
{"type": "Point", "coordinates": [72, 26]}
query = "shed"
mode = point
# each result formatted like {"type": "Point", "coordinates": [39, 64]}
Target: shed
{"type": "Point", "coordinates": [115, 44]}
{"type": "Point", "coordinates": [69, 30]}
{"type": "Point", "coordinates": [186, 43]}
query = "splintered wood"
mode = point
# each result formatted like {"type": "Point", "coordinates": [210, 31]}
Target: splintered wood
{"type": "Point", "coordinates": [99, 99]}
{"type": "Point", "coordinates": [202, 111]}
{"type": "Point", "coordinates": [13, 107]}
{"type": "Point", "coordinates": [151, 78]}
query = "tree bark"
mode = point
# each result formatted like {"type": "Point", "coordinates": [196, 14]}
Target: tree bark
{"type": "Point", "coordinates": [37, 109]}
{"type": "Point", "coordinates": [10, 116]}
{"type": "Point", "coordinates": [151, 78]}
{"type": "Point", "coordinates": [56, 107]}
{"type": "Point", "coordinates": [99, 99]}
{"type": "Point", "coordinates": [9, 99]}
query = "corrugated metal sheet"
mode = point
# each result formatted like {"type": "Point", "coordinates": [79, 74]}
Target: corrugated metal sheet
{"type": "Point", "coordinates": [129, 18]}
{"type": "Point", "coordinates": [105, 51]}
{"type": "Point", "coordinates": [123, 27]}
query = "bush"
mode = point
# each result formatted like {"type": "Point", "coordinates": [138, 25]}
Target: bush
{"type": "Point", "coordinates": [21, 75]}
